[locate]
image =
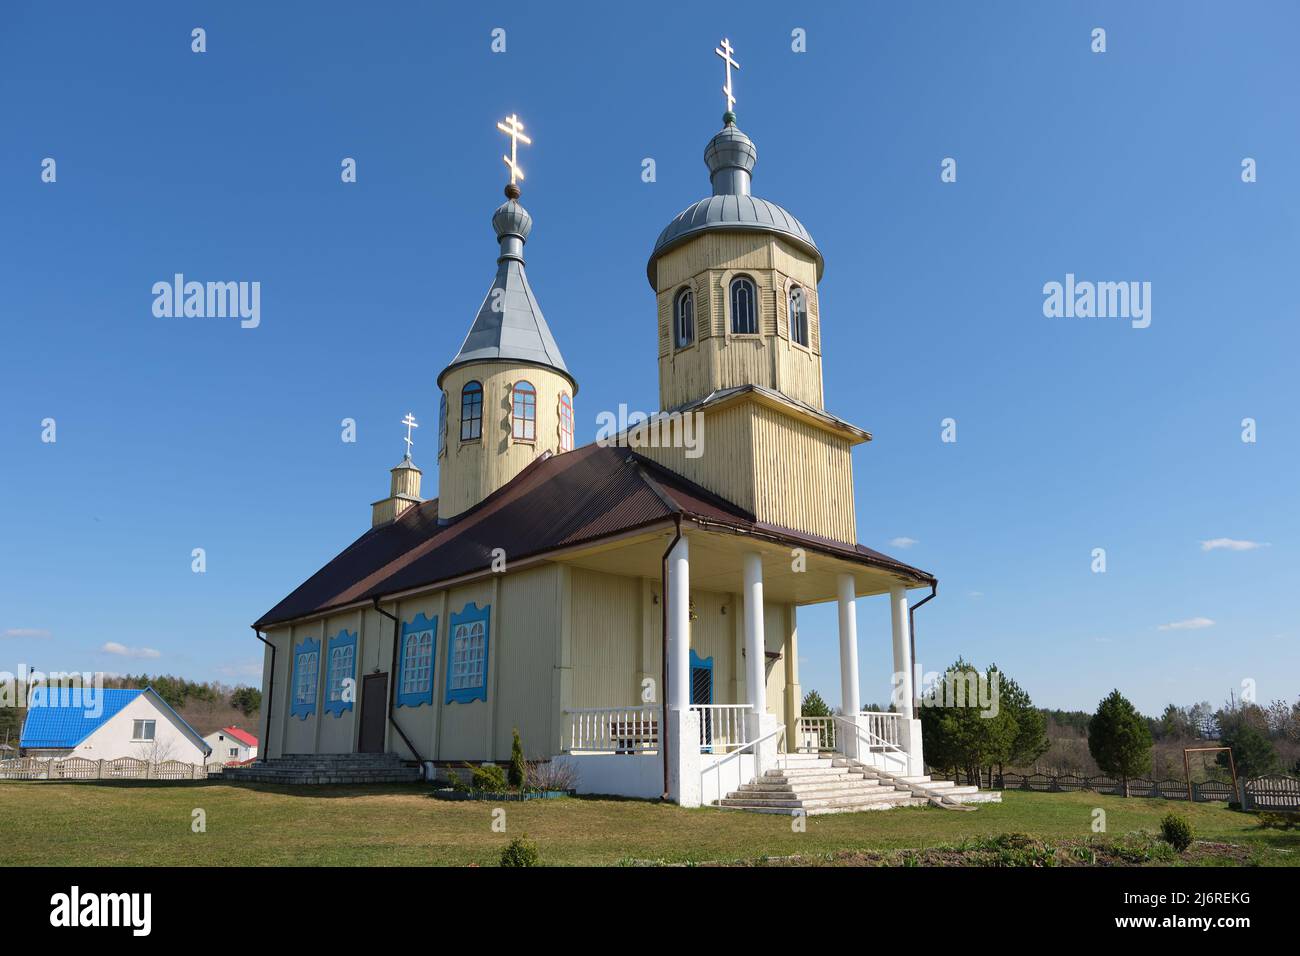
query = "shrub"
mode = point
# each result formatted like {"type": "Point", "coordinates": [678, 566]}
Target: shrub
{"type": "Point", "coordinates": [518, 769]}
{"type": "Point", "coordinates": [457, 784]}
{"type": "Point", "coordinates": [1177, 832]}
{"type": "Point", "coordinates": [520, 852]}
{"type": "Point", "coordinates": [551, 775]}
{"type": "Point", "coordinates": [488, 778]}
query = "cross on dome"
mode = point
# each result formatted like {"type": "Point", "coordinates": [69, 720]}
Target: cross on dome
{"type": "Point", "coordinates": [515, 130]}
{"type": "Point", "coordinates": [725, 51]}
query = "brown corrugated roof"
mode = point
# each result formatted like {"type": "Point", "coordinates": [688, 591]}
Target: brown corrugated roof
{"type": "Point", "coordinates": [559, 501]}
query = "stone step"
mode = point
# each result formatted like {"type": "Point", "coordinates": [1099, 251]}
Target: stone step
{"type": "Point", "coordinates": [810, 778]}
{"type": "Point", "coordinates": [892, 797]}
{"type": "Point", "coordinates": [800, 786]}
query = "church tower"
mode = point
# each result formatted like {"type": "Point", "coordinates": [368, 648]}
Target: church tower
{"type": "Point", "coordinates": [507, 396]}
{"type": "Point", "coordinates": [735, 280]}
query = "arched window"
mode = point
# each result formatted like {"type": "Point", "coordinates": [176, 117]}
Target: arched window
{"type": "Point", "coordinates": [415, 683]}
{"type": "Point", "coordinates": [566, 422]}
{"type": "Point", "coordinates": [744, 306]}
{"type": "Point", "coordinates": [798, 316]}
{"type": "Point", "coordinates": [523, 407]}
{"type": "Point", "coordinates": [342, 669]}
{"type": "Point", "coordinates": [471, 411]}
{"type": "Point", "coordinates": [442, 425]}
{"type": "Point", "coordinates": [684, 318]}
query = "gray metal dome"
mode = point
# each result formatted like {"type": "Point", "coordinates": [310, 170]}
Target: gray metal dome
{"type": "Point", "coordinates": [512, 219]}
{"type": "Point", "coordinates": [731, 156]}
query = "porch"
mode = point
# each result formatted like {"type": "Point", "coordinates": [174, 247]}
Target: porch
{"type": "Point", "coordinates": [719, 739]}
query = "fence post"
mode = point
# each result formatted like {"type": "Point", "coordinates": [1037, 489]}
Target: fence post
{"type": "Point", "coordinates": [149, 770]}
{"type": "Point", "coordinates": [99, 769]}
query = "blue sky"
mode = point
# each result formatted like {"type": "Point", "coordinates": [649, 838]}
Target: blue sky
{"type": "Point", "coordinates": [1073, 434]}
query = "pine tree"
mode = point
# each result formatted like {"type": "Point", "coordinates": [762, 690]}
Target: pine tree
{"type": "Point", "coordinates": [1119, 739]}
{"type": "Point", "coordinates": [518, 769]}
{"type": "Point", "coordinates": [814, 706]}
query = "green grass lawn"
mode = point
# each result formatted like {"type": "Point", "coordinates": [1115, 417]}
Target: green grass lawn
{"type": "Point", "coordinates": [150, 824]}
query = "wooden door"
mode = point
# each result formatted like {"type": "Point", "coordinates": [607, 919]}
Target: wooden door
{"type": "Point", "coordinates": [374, 713]}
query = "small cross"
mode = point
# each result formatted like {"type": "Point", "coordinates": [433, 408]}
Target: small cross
{"type": "Point", "coordinates": [725, 52]}
{"type": "Point", "coordinates": [515, 130]}
{"type": "Point", "coordinates": [409, 422]}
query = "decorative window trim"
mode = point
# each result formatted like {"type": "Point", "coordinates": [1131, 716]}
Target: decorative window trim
{"type": "Point", "coordinates": [465, 391]}
{"type": "Point", "coordinates": [343, 640]}
{"type": "Point", "coordinates": [417, 625]}
{"type": "Point", "coordinates": [793, 289]}
{"type": "Point", "coordinates": [519, 392]}
{"type": "Point", "coordinates": [758, 310]}
{"type": "Point", "coordinates": [686, 292]}
{"type": "Point", "coordinates": [442, 424]}
{"type": "Point", "coordinates": [304, 708]}
{"type": "Point", "coordinates": [565, 409]}
{"type": "Point", "coordinates": [471, 614]}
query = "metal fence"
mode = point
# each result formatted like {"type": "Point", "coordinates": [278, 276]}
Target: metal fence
{"type": "Point", "coordinates": [1168, 789]}
{"type": "Point", "coordinates": [122, 768]}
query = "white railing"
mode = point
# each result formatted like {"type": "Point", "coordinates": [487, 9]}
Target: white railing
{"type": "Point", "coordinates": [883, 727]}
{"type": "Point", "coordinates": [873, 741]}
{"type": "Point", "coordinates": [814, 734]}
{"type": "Point", "coordinates": [612, 730]}
{"type": "Point", "coordinates": [716, 768]}
{"type": "Point", "coordinates": [722, 726]}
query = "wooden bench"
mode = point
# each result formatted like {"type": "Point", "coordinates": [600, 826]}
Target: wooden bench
{"type": "Point", "coordinates": [631, 736]}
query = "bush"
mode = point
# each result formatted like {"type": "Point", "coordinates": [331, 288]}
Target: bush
{"type": "Point", "coordinates": [1177, 832]}
{"type": "Point", "coordinates": [518, 770]}
{"type": "Point", "coordinates": [519, 852]}
{"type": "Point", "coordinates": [488, 778]}
{"type": "Point", "coordinates": [545, 775]}
{"type": "Point", "coordinates": [457, 784]}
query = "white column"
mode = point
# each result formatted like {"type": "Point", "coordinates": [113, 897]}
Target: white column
{"type": "Point", "coordinates": [755, 645]}
{"type": "Point", "coordinates": [679, 625]}
{"type": "Point", "coordinates": [902, 687]}
{"type": "Point", "coordinates": [910, 728]}
{"type": "Point", "coordinates": [850, 695]}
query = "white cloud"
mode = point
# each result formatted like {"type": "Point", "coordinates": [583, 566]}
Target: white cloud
{"type": "Point", "coordinates": [1191, 624]}
{"type": "Point", "coordinates": [121, 650]}
{"type": "Point", "coordinates": [1231, 544]}
{"type": "Point", "coordinates": [19, 632]}
{"type": "Point", "coordinates": [903, 542]}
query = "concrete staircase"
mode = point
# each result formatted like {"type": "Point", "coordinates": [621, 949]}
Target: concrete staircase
{"type": "Point", "coordinates": [816, 784]}
{"type": "Point", "coordinates": [309, 769]}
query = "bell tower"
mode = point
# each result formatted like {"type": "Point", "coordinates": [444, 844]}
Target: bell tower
{"type": "Point", "coordinates": [739, 333]}
{"type": "Point", "coordinates": [507, 396]}
{"type": "Point", "coordinates": [735, 280]}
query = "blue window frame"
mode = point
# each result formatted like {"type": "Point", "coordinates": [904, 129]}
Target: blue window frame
{"type": "Point", "coordinates": [342, 668]}
{"type": "Point", "coordinates": [744, 306]}
{"type": "Point", "coordinates": [415, 665]}
{"type": "Point", "coordinates": [306, 670]}
{"type": "Point", "coordinates": [702, 693]}
{"type": "Point", "coordinates": [467, 654]}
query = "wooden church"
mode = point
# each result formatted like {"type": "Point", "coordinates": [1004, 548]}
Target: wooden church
{"type": "Point", "coordinates": [630, 606]}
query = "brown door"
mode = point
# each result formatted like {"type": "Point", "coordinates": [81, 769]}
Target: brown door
{"type": "Point", "coordinates": [374, 704]}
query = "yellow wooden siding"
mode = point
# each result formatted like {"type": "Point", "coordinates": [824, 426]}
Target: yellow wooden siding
{"type": "Point", "coordinates": [463, 734]}
{"type": "Point", "coordinates": [803, 476]}
{"type": "Point", "coordinates": [726, 461]}
{"type": "Point", "coordinates": [528, 629]}
{"type": "Point", "coordinates": [470, 471]}
{"type": "Point", "coordinates": [605, 621]}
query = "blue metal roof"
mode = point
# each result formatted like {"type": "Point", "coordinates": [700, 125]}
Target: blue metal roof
{"type": "Point", "coordinates": [57, 724]}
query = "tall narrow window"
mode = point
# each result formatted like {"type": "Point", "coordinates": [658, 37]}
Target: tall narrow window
{"type": "Point", "coordinates": [566, 422]}
{"type": "Point", "coordinates": [524, 411]}
{"type": "Point", "coordinates": [415, 677]}
{"type": "Point", "coordinates": [442, 425]}
{"type": "Point", "coordinates": [798, 316]}
{"type": "Point", "coordinates": [744, 306]}
{"type": "Point", "coordinates": [340, 679]}
{"type": "Point", "coordinates": [471, 411]}
{"type": "Point", "coordinates": [467, 655]}
{"type": "Point", "coordinates": [685, 318]}
{"type": "Point", "coordinates": [306, 666]}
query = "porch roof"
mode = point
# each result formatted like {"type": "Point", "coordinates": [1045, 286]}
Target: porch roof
{"type": "Point", "coordinates": [558, 503]}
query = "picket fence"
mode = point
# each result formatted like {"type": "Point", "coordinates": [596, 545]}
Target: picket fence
{"type": "Point", "coordinates": [1269, 792]}
{"type": "Point", "coordinates": [122, 768]}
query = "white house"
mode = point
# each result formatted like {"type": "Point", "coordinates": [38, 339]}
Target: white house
{"type": "Point", "coordinates": [231, 745]}
{"type": "Point", "coordinates": [109, 723]}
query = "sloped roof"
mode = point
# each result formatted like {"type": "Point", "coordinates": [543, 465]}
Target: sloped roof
{"type": "Point", "coordinates": [557, 501]}
{"type": "Point", "coordinates": [58, 724]}
{"type": "Point", "coordinates": [243, 736]}
{"type": "Point", "coordinates": [510, 326]}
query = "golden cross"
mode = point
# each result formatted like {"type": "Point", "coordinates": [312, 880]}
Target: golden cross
{"type": "Point", "coordinates": [725, 52]}
{"type": "Point", "coordinates": [515, 130]}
